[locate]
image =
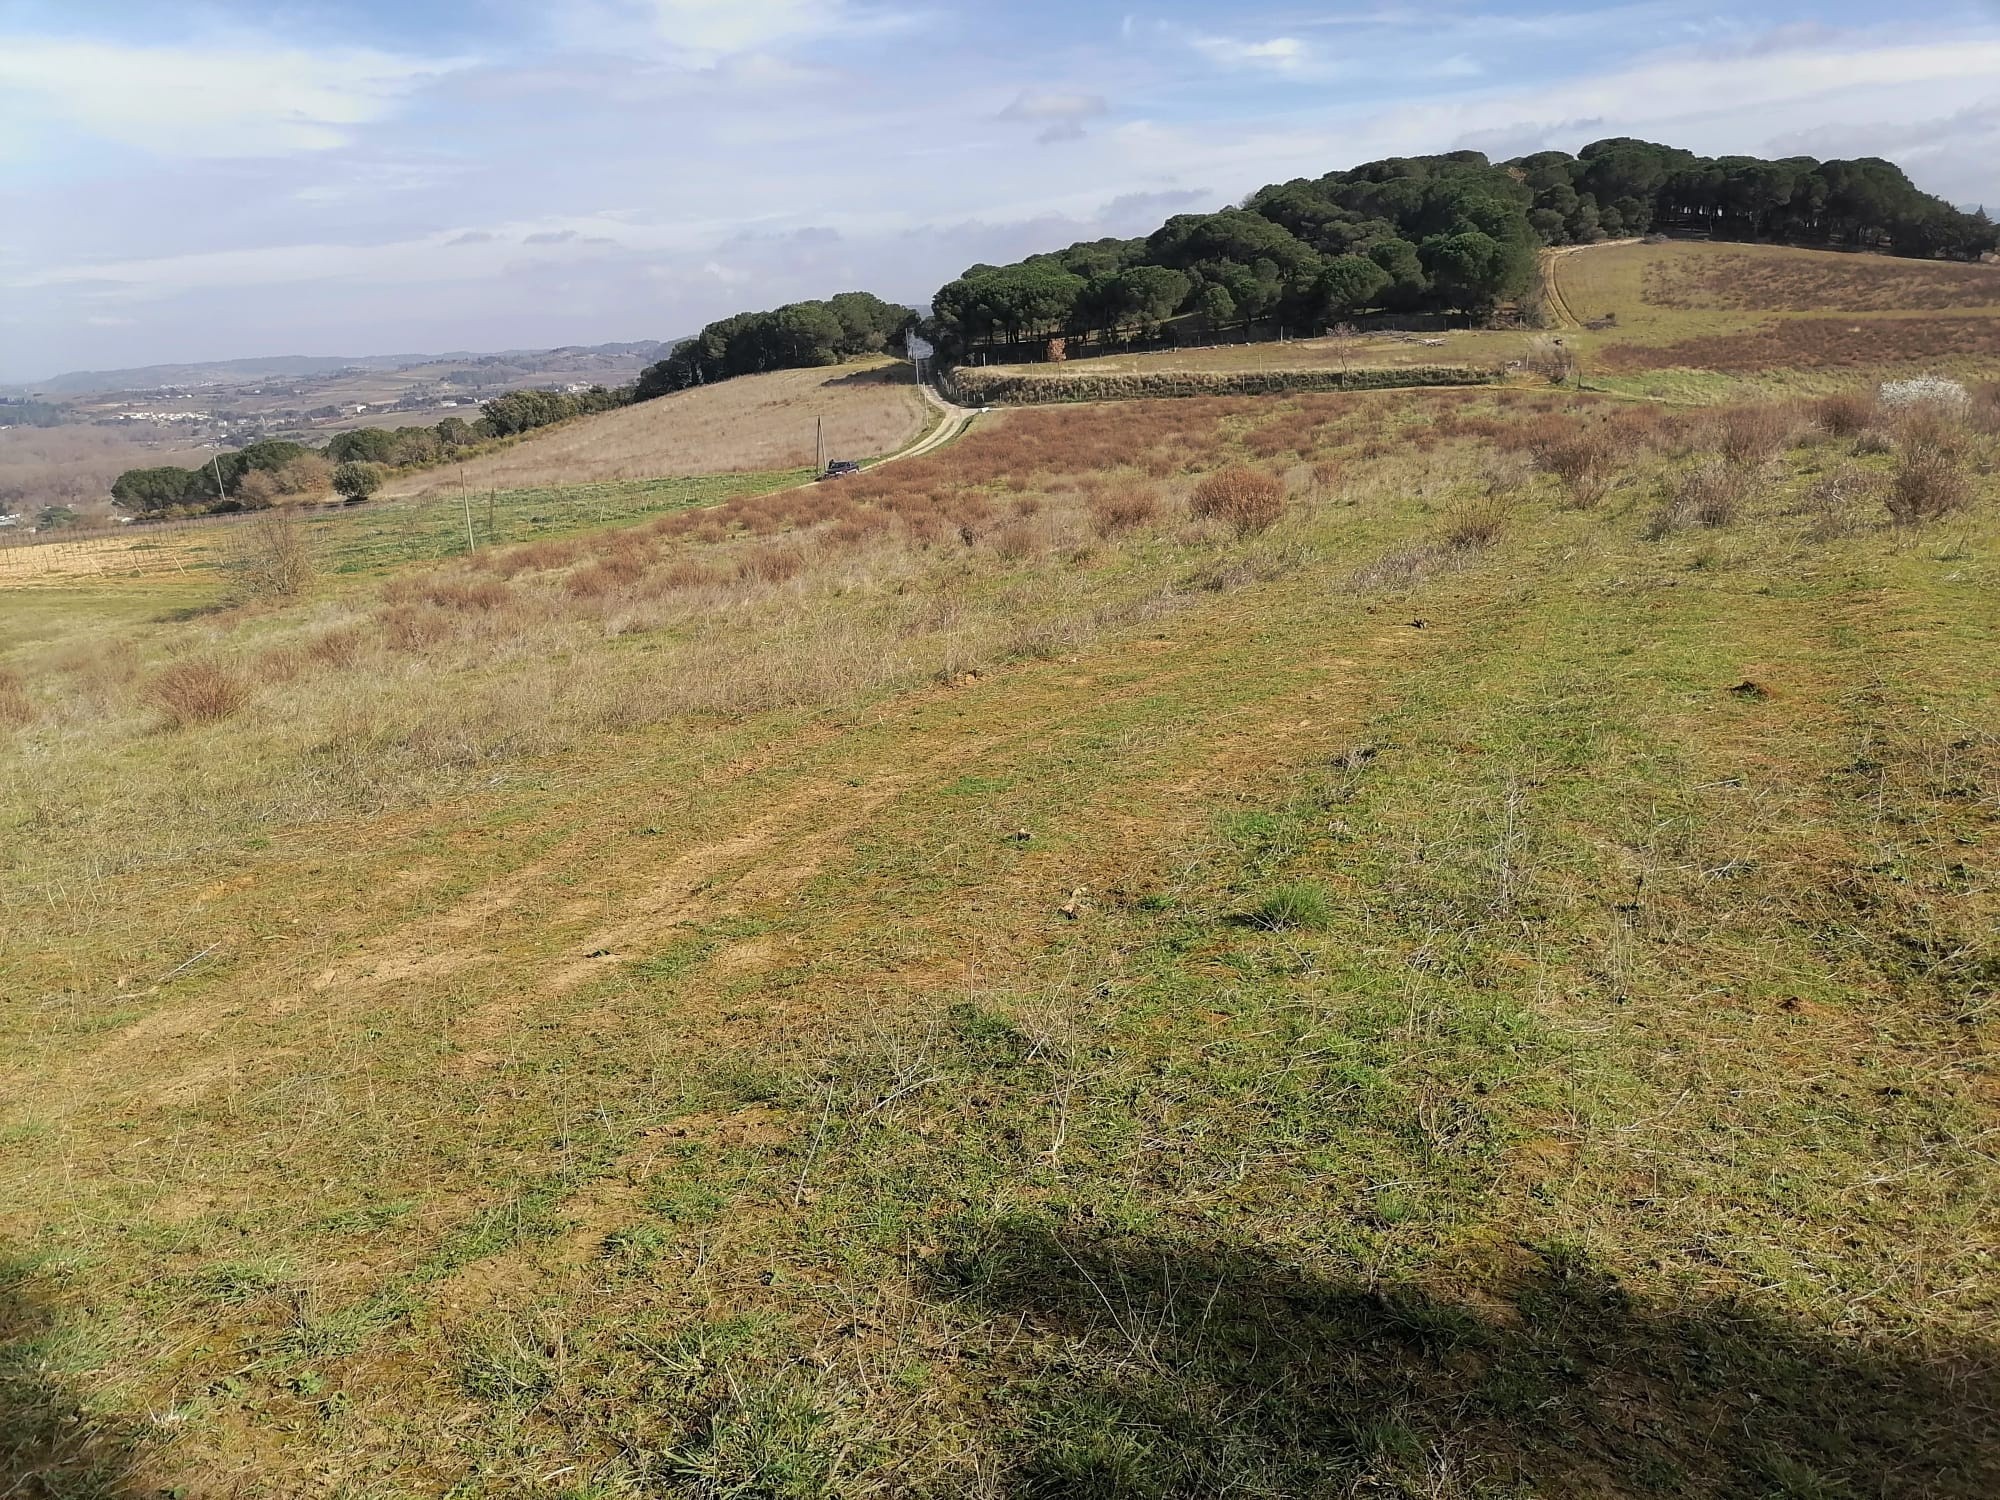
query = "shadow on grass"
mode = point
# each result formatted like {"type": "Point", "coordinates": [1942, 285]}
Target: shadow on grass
{"type": "Point", "coordinates": [900, 373]}
{"type": "Point", "coordinates": [1136, 1368]}
{"type": "Point", "coordinates": [52, 1447]}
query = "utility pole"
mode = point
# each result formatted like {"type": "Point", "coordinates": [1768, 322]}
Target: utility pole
{"type": "Point", "coordinates": [819, 445]}
{"type": "Point", "coordinates": [219, 495]}
{"type": "Point", "coordinates": [465, 501]}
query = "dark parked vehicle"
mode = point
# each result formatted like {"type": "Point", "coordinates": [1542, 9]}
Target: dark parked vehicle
{"type": "Point", "coordinates": [841, 467]}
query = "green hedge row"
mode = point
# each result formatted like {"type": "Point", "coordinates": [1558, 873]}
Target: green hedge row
{"type": "Point", "coordinates": [978, 387]}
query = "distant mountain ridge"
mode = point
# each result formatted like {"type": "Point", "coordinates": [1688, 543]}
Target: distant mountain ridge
{"type": "Point", "coordinates": [291, 366]}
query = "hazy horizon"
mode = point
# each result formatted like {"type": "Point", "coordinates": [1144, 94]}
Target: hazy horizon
{"type": "Point", "coordinates": [345, 180]}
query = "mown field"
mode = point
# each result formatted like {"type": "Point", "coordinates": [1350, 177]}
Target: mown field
{"type": "Point", "coordinates": [761, 423]}
{"type": "Point", "coordinates": [1686, 321]}
{"type": "Point", "coordinates": [1415, 943]}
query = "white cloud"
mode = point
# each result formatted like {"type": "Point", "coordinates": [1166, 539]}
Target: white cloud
{"type": "Point", "coordinates": [1061, 115]}
{"type": "Point", "coordinates": [705, 33]}
{"type": "Point", "coordinates": [724, 26]}
{"type": "Point", "coordinates": [443, 256]}
{"type": "Point", "coordinates": [226, 99]}
{"type": "Point", "coordinates": [1280, 54]}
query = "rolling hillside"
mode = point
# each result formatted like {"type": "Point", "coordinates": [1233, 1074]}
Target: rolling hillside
{"type": "Point", "coordinates": [752, 423]}
{"type": "Point", "coordinates": [1427, 943]}
{"type": "Point", "coordinates": [1688, 321]}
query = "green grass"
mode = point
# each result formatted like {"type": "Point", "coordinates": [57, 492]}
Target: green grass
{"type": "Point", "coordinates": [372, 537]}
{"type": "Point", "coordinates": [361, 541]}
{"type": "Point", "coordinates": [1594, 1101]}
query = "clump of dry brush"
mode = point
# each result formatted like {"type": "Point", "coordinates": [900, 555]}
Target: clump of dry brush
{"type": "Point", "coordinates": [197, 691]}
{"type": "Point", "coordinates": [1931, 479]}
{"type": "Point", "coordinates": [1245, 500]}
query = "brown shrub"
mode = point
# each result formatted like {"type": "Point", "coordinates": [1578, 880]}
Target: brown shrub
{"type": "Point", "coordinates": [257, 489]}
{"type": "Point", "coordinates": [604, 576]}
{"type": "Point", "coordinates": [532, 557]}
{"type": "Point", "coordinates": [1748, 435]}
{"type": "Point", "coordinates": [1479, 524]}
{"type": "Point", "coordinates": [16, 707]}
{"type": "Point", "coordinates": [1985, 414]}
{"type": "Point", "coordinates": [852, 530]}
{"type": "Point", "coordinates": [684, 574]}
{"type": "Point", "coordinates": [1930, 480]}
{"type": "Point", "coordinates": [1246, 500]}
{"type": "Point", "coordinates": [1835, 503]}
{"type": "Point", "coordinates": [309, 474]}
{"type": "Point", "coordinates": [467, 596]}
{"type": "Point", "coordinates": [770, 564]}
{"type": "Point", "coordinates": [1709, 494]}
{"type": "Point", "coordinates": [279, 664]}
{"type": "Point", "coordinates": [197, 692]}
{"type": "Point", "coordinates": [275, 558]}
{"type": "Point", "coordinates": [1580, 457]}
{"type": "Point", "coordinates": [336, 648]}
{"type": "Point", "coordinates": [1021, 539]}
{"type": "Point", "coordinates": [412, 627]}
{"type": "Point", "coordinates": [1845, 415]}
{"type": "Point", "coordinates": [1122, 510]}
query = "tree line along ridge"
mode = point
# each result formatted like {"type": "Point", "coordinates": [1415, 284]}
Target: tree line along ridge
{"type": "Point", "coordinates": [1453, 233]}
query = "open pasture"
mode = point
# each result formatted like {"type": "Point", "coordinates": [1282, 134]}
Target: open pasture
{"type": "Point", "coordinates": [1432, 943]}
{"type": "Point", "coordinates": [1686, 321]}
{"type": "Point", "coordinates": [754, 423]}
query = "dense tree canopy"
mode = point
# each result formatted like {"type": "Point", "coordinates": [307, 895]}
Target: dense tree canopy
{"type": "Point", "coordinates": [516, 412]}
{"type": "Point", "coordinates": [164, 488]}
{"type": "Point", "coordinates": [800, 335]}
{"type": "Point", "coordinates": [265, 472]}
{"type": "Point", "coordinates": [1624, 186]}
{"type": "Point", "coordinates": [245, 479]}
{"type": "Point", "coordinates": [1451, 233]}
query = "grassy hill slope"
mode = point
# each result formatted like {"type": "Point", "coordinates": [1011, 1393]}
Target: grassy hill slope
{"type": "Point", "coordinates": [994, 981]}
{"type": "Point", "coordinates": [1688, 321]}
{"type": "Point", "coordinates": [752, 423]}
{"type": "Point", "coordinates": [1692, 317]}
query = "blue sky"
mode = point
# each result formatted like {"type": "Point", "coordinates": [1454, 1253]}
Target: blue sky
{"type": "Point", "coordinates": [204, 181]}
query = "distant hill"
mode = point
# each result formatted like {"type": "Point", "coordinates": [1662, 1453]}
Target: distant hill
{"type": "Point", "coordinates": [229, 372]}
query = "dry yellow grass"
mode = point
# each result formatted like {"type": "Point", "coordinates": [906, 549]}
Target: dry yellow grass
{"type": "Point", "coordinates": [901, 987]}
{"type": "Point", "coordinates": [754, 423]}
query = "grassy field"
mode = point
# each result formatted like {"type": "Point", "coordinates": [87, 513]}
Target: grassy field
{"type": "Point", "coordinates": [1690, 322]}
{"type": "Point", "coordinates": [752, 423]}
{"type": "Point", "coordinates": [1026, 974]}
{"type": "Point", "coordinates": [198, 557]}
{"type": "Point", "coordinates": [1695, 319]}
{"type": "Point", "coordinates": [1374, 351]}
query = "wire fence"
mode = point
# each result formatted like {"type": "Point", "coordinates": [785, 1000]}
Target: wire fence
{"type": "Point", "coordinates": [139, 548]}
{"type": "Point", "coordinates": [360, 538]}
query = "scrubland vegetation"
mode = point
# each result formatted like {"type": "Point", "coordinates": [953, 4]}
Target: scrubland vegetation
{"type": "Point", "coordinates": [1432, 943]}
